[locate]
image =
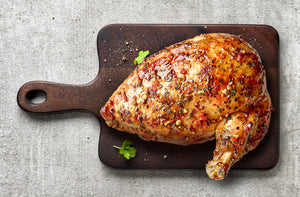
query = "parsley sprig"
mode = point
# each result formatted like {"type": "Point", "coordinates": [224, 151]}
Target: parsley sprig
{"type": "Point", "coordinates": [127, 150]}
{"type": "Point", "coordinates": [142, 55]}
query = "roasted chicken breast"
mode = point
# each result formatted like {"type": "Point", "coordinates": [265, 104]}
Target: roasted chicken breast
{"type": "Point", "coordinates": [212, 86]}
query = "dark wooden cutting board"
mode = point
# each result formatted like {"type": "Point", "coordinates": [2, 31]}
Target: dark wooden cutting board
{"type": "Point", "coordinates": [119, 41]}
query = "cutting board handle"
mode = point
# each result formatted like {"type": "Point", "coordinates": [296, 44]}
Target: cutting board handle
{"type": "Point", "coordinates": [57, 97]}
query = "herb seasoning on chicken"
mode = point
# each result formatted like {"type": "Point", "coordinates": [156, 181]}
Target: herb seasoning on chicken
{"type": "Point", "coordinates": [212, 86]}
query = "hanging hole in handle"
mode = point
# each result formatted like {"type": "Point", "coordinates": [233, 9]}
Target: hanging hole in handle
{"type": "Point", "coordinates": [35, 97]}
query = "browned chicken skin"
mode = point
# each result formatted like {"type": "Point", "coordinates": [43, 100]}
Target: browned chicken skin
{"type": "Point", "coordinates": [210, 87]}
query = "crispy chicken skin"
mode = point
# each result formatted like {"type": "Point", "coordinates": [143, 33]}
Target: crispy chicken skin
{"type": "Point", "coordinates": [212, 86]}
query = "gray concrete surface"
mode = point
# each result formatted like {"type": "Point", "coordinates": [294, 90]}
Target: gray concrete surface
{"type": "Point", "coordinates": [56, 155]}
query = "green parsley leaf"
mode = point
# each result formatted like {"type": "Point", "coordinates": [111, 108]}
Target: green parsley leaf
{"type": "Point", "coordinates": [132, 152]}
{"type": "Point", "coordinates": [127, 150]}
{"type": "Point", "coordinates": [126, 144]}
{"type": "Point", "coordinates": [233, 92]}
{"type": "Point", "coordinates": [142, 55]}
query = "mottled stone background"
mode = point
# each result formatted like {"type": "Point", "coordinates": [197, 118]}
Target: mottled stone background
{"type": "Point", "coordinates": [56, 155]}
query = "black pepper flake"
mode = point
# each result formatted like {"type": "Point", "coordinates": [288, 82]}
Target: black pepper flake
{"type": "Point", "coordinates": [167, 94]}
{"type": "Point", "coordinates": [265, 127]}
{"type": "Point", "coordinates": [221, 109]}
